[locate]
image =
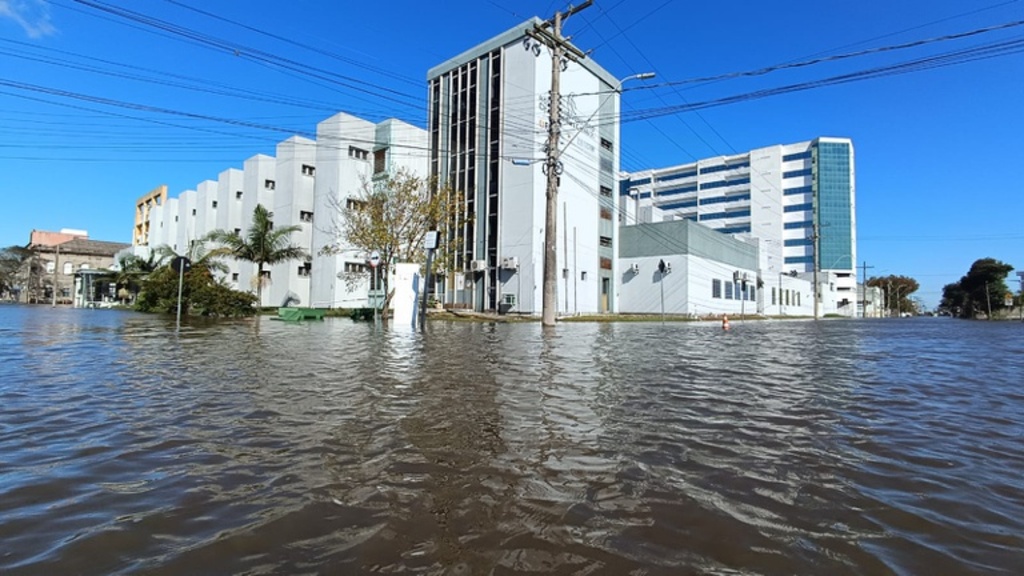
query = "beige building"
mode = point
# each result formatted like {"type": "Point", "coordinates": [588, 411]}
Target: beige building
{"type": "Point", "coordinates": [145, 203]}
{"type": "Point", "coordinates": [62, 255]}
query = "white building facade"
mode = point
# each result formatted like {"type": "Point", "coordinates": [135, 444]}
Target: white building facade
{"type": "Point", "coordinates": [796, 202]}
{"type": "Point", "coordinates": [303, 179]}
{"type": "Point", "coordinates": [351, 154]}
{"type": "Point", "coordinates": [488, 117]}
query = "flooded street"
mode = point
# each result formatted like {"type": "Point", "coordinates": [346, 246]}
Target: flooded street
{"type": "Point", "coordinates": [836, 447]}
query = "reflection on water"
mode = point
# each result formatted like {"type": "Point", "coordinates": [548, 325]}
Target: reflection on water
{"type": "Point", "coordinates": [776, 448]}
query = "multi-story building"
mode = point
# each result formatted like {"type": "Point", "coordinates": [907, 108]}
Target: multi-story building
{"type": "Point", "coordinates": [64, 256]}
{"type": "Point", "coordinates": [304, 178]}
{"type": "Point", "coordinates": [293, 206]}
{"type": "Point", "coordinates": [155, 198]}
{"type": "Point", "coordinates": [488, 116]}
{"type": "Point", "coordinates": [786, 199]}
{"type": "Point", "coordinates": [352, 153]}
{"type": "Point", "coordinates": [259, 174]}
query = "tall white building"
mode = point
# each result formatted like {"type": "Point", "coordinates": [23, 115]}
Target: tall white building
{"type": "Point", "coordinates": [776, 197]}
{"type": "Point", "coordinates": [351, 154]}
{"type": "Point", "coordinates": [305, 178]}
{"type": "Point", "coordinates": [293, 206]}
{"type": "Point", "coordinates": [488, 116]}
{"type": "Point", "coordinates": [259, 175]}
{"type": "Point", "coordinates": [230, 193]}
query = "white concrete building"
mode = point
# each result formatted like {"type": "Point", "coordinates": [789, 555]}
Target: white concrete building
{"type": "Point", "coordinates": [186, 219]}
{"type": "Point", "coordinates": [488, 117]}
{"type": "Point", "coordinates": [351, 153]}
{"type": "Point", "coordinates": [258, 187]}
{"type": "Point", "coordinates": [230, 193]}
{"type": "Point", "coordinates": [776, 197]}
{"type": "Point", "coordinates": [706, 273]}
{"type": "Point", "coordinates": [293, 206]}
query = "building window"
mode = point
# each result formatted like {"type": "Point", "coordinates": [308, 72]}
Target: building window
{"type": "Point", "coordinates": [583, 275]}
{"type": "Point", "coordinates": [380, 160]}
{"type": "Point", "coordinates": [773, 296]}
{"type": "Point", "coordinates": [728, 290]}
{"type": "Point", "coordinates": [606, 192]}
{"type": "Point", "coordinates": [308, 170]}
{"type": "Point", "coordinates": [305, 216]}
{"type": "Point", "coordinates": [234, 276]}
{"type": "Point", "coordinates": [355, 267]}
{"type": "Point", "coordinates": [69, 268]}
{"type": "Point", "coordinates": [606, 263]}
{"type": "Point", "coordinates": [238, 195]}
{"type": "Point", "coordinates": [265, 275]}
{"type": "Point", "coordinates": [214, 204]}
{"type": "Point", "coordinates": [606, 144]}
{"type": "Point", "coordinates": [606, 214]}
{"type": "Point", "coordinates": [175, 218]}
{"type": "Point", "coordinates": [269, 184]}
{"type": "Point", "coordinates": [606, 241]}
{"type": "Point", "coordinates": [358, 153]}
{"type": "Point", "coordinates": [798, 156]}
{"type": "Point", "coordinates": [238, 231]}
{"type": "Point", "coordinates": [305, 269]}
{"type": "Point", "coordinates": [193, 211]}
{"type": "Point", "coordinates": [354, 204]}
{"type": "Point", "coordinates": [716, 288]}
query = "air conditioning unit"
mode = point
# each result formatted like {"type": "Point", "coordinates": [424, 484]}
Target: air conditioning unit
{"type": "Point", "coordinates": [478, 265]}
{"type": "Point", "coordinates": [510, 263]}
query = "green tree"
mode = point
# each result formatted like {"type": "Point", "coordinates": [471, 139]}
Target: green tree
{"type": "Point", "coordinates": [14, 264]}
{"type": "Point", "coordinates": [263, 245]}
{"type": "Point", "coordinates": [132, 270]}
{"type": "Point", "coordinates": [202, 293]}
{"type": "Point", "coordinates": [897, 290]}
{"type": "Point", "coordinates": [391, 217]}
{"type": "Point", "coordinates": [982, 287]}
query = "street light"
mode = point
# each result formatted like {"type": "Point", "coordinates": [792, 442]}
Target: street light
{"type": "Point", "coordinates": [553, 169]}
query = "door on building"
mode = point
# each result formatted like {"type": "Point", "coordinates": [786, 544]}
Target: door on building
{"type": "Point", "coordinates": [606, 284]}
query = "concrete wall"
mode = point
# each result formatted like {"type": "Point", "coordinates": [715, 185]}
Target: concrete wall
{"type": "Point", "coordinates": [293, 197]}
{"type": "Point", "coordinates": [339, 176]}
{"type": "Point", "coordinates": [258, 187]}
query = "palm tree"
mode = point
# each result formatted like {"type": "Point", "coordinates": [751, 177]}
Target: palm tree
{"type": "Point", "coordinates": [262, 245]}
{"type": "Point", "coordinates": [132, 269]}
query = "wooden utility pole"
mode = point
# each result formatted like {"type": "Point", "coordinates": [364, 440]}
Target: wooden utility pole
{"type": "Point", "coordinates": [56, 270]}
{"type": "Point", "coordinates": [550, 34]}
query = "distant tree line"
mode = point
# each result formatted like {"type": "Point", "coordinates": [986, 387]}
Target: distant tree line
{"type": "Point", "coordinates": [979, 292]}
{"type": "Point", "coordinates": [897, 291]}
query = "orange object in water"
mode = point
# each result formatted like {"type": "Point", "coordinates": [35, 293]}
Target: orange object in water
{"type": "Point", "coordinates": [725, 322]}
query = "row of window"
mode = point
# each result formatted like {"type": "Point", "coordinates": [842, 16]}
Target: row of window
{"type": "Point", "coordinates": [68, 268]}
{"type": "Point", "coordinates": [727, 214]}
{"type": "Point", "coordinates": [733, 290]}
{"type": "Point", "coordinates": [797, 190]}
{"type": "Point", "coordinates": [795, 173]}
{"type": "Point", "coordinates": [724, 199]}
{"type": "Point", "coordinates": [785, 297]}
{"type": "Point", "coordinates": [725, 183]}
{"type": "Point", "coordinates": [799, 207]}
{"type": "Point", "coordinates": [806, 155]}
{"type": "Point", "coordinates": [724, 167]}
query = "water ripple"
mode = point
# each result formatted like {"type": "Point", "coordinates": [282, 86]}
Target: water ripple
{"type": "Point", "coordinates": [263, 447]}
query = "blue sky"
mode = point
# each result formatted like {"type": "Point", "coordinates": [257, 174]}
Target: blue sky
{"type": "Point", "coordinates": [939, 152]}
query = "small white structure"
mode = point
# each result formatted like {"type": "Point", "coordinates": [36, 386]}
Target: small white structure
{"type": "Point", "coordinates": [405, 303]}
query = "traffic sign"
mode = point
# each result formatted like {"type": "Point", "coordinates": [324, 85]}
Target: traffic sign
{"type": "Point", "coordinates": [374, 260]}
{"type": "Point", "coordinates": [1008, 300]}
{"type": "Point", "coordinates": [181, 264]}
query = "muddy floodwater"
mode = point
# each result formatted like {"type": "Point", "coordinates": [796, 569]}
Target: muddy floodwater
{"type": "Point", "coordinates": [797, 447]}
